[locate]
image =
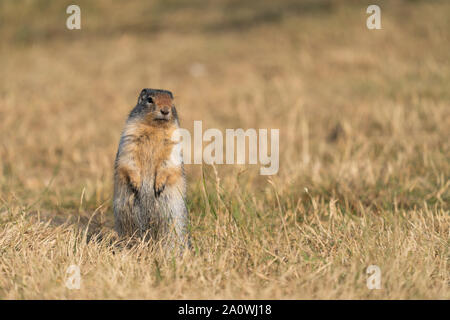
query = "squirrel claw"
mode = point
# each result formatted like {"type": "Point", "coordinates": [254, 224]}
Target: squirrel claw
{"type": "Point", "coordinates": [159, 190]}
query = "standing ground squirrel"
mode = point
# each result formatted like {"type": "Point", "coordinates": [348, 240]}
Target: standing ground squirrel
{"type": "Point", "coordinates": [149, 181]}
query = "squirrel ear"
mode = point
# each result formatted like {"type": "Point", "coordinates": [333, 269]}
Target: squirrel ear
{"type": "Point", "coordinates": [142, 96]}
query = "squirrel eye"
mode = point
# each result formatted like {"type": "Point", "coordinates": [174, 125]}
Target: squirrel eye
{"type": "Point", "coordinates": [150, 100]}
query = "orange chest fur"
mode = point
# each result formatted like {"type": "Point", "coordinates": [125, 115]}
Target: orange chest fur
{"type": "Point", "coordinates": [151, 146]}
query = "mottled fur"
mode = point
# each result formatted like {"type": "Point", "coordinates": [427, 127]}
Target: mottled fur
{"type": "Point", "coordinates": [149, 182]}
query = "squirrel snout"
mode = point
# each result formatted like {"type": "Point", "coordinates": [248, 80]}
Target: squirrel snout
{"type": "Point", "coordinates": [165, 111]}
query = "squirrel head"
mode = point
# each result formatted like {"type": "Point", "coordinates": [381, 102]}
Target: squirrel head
{"type": "Point", "coordinates": [157, 107]}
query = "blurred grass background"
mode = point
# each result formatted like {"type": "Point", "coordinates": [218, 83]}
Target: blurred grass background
{"type": "Point", "coordinates": [364, 119]}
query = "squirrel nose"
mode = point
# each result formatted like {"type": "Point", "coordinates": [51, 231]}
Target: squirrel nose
{"type": "Point", "coordinates": [165, 111]}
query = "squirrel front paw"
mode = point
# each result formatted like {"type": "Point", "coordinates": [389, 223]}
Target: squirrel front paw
{"type": "Point", "coordinates": [166, 177]}
{"type": "Point", "coordinates": [160, 185]}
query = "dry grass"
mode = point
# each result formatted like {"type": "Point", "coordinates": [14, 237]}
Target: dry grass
{"type": "Point", "coordinates": [364, 120]}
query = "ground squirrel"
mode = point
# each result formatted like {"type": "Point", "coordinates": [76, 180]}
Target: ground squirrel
{"type": "Point", "coordinates": [149, 180]}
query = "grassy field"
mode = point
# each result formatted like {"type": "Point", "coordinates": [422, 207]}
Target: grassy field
{"type": "Point", "coordinates": [364, 119]}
